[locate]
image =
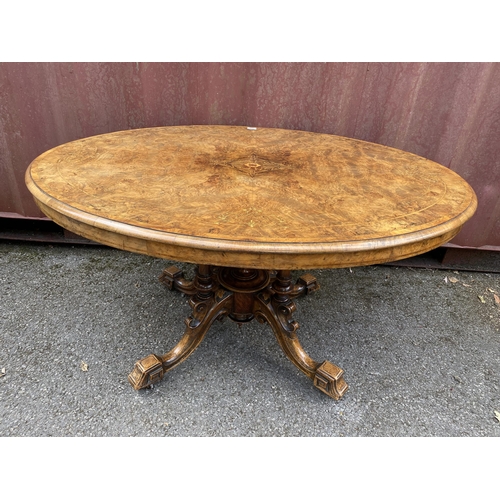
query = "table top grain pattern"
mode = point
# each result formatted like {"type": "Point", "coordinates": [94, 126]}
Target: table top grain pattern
{"type": "Point", "coordinates": [260, 198]}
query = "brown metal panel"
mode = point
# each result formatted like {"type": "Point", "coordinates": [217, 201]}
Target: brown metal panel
{"type": "Point", "coordinates": [448, 112]}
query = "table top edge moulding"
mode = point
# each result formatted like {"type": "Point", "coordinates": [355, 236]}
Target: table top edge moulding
{"type": "Point", "coordinates": [258, 170]}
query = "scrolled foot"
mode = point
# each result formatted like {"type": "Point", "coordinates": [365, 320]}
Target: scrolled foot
{"type": "Point", "coordinates": [305, 285]}
{"type": "Point", "coordinates": [146, 372]}
{"type": "Point", "coordinates": [169, 275]}
{"type": "Point", "coordinates": [309, 282]}
{"type": "Point", "coordinates": [329, 379]}
{"type": "Point", "coordinates": [174, 279]}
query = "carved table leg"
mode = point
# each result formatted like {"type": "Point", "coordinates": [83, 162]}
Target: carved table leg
{"type": "Point", "coordinates": [276, 308]}
{"type": "Point", "coordinates": [207, 306]}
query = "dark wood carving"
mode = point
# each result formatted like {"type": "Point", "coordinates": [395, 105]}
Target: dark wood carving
{"type": "Point", "coordinates": [242, 295]}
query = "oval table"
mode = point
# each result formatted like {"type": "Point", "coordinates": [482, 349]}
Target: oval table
{"type": "Point", "coordinates": [248, 206]}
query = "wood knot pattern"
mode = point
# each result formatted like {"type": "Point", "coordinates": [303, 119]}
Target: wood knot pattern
{"type": "Point", "coordinates": [255, 165]}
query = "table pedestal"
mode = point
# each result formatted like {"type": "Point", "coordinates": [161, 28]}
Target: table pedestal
{"type": "Point", "coordinates": [241, 295]}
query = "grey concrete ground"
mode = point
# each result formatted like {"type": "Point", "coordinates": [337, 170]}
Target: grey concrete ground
{"type": "Point", "coordinates": [420, 349]}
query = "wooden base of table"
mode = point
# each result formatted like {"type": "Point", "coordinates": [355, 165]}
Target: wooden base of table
{"type": "Point", "coordinates": [241, 295]}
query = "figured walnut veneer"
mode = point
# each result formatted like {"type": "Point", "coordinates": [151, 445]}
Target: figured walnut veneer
{"type": "Point", "coordinates": [263, 199]}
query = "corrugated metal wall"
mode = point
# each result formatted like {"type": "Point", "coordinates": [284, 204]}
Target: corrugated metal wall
{"type": "Point", "coordinates": [448, 112]}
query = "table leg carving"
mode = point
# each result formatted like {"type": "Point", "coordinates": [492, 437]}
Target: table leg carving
{"type": "Point", "coordinates": [276, 309]}
{"type": "Point", "coordinates": [174, 279]}
{"type": "Point", "coordinates": [241, 294]}
{"type": "Point", "coordinates": [306, 284]}
{"type": "Point", "coordinates": [207, 305]}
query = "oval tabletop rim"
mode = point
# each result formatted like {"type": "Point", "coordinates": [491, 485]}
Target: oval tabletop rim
{"type": "Point", "coordinates": [205, 249]}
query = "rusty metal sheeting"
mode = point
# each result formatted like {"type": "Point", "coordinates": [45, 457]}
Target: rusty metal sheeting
{"type": "Point", "coordinates": [448, 112]}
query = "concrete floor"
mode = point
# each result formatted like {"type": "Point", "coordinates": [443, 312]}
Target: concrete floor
{"type": "Point", "coordinates": [420, 349]}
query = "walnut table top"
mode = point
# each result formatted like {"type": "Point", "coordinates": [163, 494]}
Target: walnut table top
{"type": "Point", "coordinates": [254, 198]}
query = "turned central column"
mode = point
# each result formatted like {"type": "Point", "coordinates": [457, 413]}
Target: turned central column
{"type": "Point", "coordinates": [244, 283]}
{"type": "Point", "coordinates": [243, 301]}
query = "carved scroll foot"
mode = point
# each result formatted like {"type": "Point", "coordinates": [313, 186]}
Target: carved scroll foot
{"type": "Point", "coordinates": [174, 279]}
{"type": "Point", "coordinates": [329, 378]}
{"type": "Point", "coordinates": [148, 371]}
{"type": "Point", "coordinates": [305, 285]}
